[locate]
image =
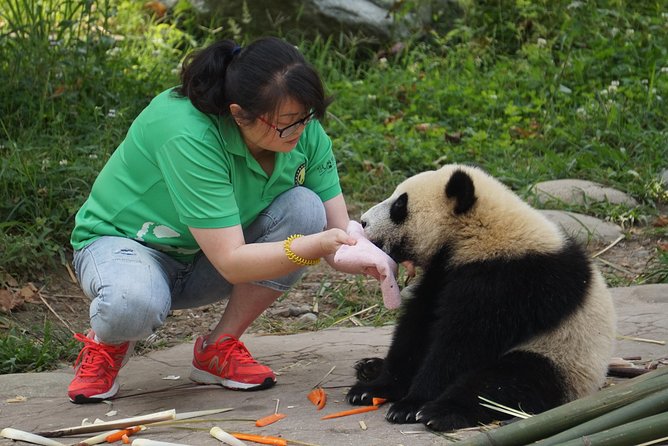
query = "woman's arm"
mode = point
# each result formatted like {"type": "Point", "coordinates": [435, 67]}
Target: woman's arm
{"type": "Point", "coordinates": [337, 217]}
{"type": "Point", "coordinates": [239, 262]}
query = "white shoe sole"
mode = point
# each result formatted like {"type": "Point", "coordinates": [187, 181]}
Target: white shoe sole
{"type": "Point", "coordinates": [202, 377]}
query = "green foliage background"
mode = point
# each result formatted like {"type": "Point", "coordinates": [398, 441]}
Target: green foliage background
{"type": "Point", "coordinates": [530, 90]}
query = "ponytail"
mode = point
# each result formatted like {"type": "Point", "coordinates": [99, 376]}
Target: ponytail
{"type": "Point", "coordinates": [203, 76]}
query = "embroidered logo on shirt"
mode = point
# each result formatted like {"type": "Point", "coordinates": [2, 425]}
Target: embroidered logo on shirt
{"type": "Point", "coordinates": [327, 166]}
{"type": "Point", "coordinates": [300, 175]}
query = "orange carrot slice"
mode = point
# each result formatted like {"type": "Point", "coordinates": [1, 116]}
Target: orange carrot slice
{"type": "Point", "coordinates": [262, 439]}
{"type": "Point", "coordinates": [111, 438]}
{"type": "Point", "coordinates": [378, 401]}
{"type": "Point", "coordinates": [318, 397]}
{"type": "Point", "coordinates": [345, 413]}
{"type": "Point", "coordinates": [269, 419]}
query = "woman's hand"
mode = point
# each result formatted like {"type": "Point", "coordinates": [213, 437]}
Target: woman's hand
{"type": "Point", "coordinates": [332, 239]}
{"type": "Point", "coordinates": [321, 244]}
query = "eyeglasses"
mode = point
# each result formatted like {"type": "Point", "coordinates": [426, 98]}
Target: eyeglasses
{"type": "Point", "coordinates": [292, 128]}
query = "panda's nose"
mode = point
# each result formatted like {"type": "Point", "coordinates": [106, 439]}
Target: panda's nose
{"type": "Point", "coordinates": [363, 223]}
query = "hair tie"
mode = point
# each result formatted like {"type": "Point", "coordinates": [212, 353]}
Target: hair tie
{"type": "Point", "coordinates": [236, 50]}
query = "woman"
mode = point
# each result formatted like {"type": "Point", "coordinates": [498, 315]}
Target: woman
{"type": "Point", "coordinates": [207, 198]}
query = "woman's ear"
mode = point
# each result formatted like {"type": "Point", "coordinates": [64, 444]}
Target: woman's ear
{"type": "Point", "coordinates": [236, 111]}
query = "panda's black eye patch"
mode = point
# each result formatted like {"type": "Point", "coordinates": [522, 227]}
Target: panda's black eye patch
{"type": "Point", "coordinates": [399, 209]}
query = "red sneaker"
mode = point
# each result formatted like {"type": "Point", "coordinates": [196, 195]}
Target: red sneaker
{"type": "Point", "coordinates": [230, 364]}
{"type": "Point", "coordinates": [96, 369]}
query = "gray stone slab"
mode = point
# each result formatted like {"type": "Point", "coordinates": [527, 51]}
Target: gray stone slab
{"type": "Point", "coordinates": [584, 228]}
{"type": "Point", "coordinates": [574, 191]}
{"type": "Point", "coordinates": [301, 360]}
{"type": "Point", "coordinates": [642, 312]}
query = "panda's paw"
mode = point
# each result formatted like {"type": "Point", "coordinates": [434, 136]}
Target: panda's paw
{"type": "Point", "coordinates": [405, 411]}
{"type": "Point", "coordinates": [362, 394]}
{"type": "Point", "coordinates": [441, 417]}
{"type": "Point", "coordinates": [368, 369]}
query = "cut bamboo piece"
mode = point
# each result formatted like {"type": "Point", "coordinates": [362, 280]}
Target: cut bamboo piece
{"type": "Point", "coordinates": [650, 405]}
{"type": "Point", "coordinates": [18, 435]}
{"type": "Point", "coordinates": [200, 413]}
{"type": "Point", "coordinates": [576, 412]}
{"type": "Point", "coordinates": [224, 437]}
{"type": "Point", "coordinates": [116, 424]}
{"type": "Point", "coordinates": [99, 438]}
{"type": "Point", "coordinates": [189, 415]}
{"type": "Point", "coordinates": [646, 429]}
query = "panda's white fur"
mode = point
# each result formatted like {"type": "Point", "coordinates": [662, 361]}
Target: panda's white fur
{"type": "Point", "coordinates": [511, 226]}
{"type": "Point", "coordinates": [476, 228]}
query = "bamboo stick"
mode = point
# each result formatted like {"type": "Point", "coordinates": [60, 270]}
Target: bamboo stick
{"type": "Point", "coordinates": [642, 430]}
{"type": "Point", "coordinates": [97, 439]}
{"type": "Point", "coordinates": [18, 435]}
{"type": "Point", "coordinates": [180, 417]}
{"type": "Point", "coordinates": [108, 425]}
{"type": "Point", "coordinates": [576, 412]}
{"type": "Point", "coordinates": [645, 407]}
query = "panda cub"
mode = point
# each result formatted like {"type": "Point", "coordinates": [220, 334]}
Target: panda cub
{"type": "Point", "coordinates": [506, 308]}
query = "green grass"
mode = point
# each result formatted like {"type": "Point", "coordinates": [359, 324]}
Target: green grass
{"type": "Point", "coordinates": [35, 350]}
{"type": "Point", "coordinates": [529, 90]}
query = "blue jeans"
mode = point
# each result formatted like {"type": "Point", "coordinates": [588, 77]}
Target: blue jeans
{"type": "Point", "coordinates": [133, 287]}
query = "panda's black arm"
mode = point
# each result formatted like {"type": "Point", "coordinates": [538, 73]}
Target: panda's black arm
{"type": "Point", "coordinates": [411, 338]}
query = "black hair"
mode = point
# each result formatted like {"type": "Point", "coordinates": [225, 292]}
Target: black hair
{"type": "Point", "coordinates": [258, 77]}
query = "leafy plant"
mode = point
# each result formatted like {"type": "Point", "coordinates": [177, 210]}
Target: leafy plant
{"type": "Point", "coordinates": [25, 350]}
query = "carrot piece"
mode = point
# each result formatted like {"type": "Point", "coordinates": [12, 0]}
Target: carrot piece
{"type": "Point", "coordinates": [318, 397]}
{"type": "Point", "coordinates": [269, 419]}
{"type": "Point", "coordinates": [126, 439]}
{"type": "Point", "coordinates": [378, 401]}
{"type": "Point", "coordinates": [262, 439]}
{"type": "Point", "coordinates": [345, 413]}
{"type": "Point", "coordinates": [111, 438]}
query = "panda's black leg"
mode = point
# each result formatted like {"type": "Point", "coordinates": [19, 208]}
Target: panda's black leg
{"type": "Point", "coordinates": [407, 351]}
{"type": "Point", "coordinates": [520, 380]}
{"type": "Point", "coordinates": [368, 369]}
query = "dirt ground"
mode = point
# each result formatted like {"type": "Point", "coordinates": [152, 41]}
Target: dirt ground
{"type": "Point", "coordinates": [314, 303]}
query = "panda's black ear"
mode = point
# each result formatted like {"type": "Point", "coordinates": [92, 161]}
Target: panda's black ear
{"type": "Point", "coordinates": [460, 187]}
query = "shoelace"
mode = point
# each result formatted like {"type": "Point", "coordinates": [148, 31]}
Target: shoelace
{"type": "Point", "coordinates": [89, 364]}
{"type": "Point", "coordinates": [237, 351]}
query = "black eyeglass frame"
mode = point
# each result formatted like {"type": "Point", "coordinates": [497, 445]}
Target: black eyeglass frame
{"type": "Point", "coordinates": [292, 128]}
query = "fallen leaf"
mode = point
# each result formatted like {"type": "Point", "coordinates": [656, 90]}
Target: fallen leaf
{"type": "Point", "coordinates": [9, 301]}
{"type": "Point", "coordinates": [29, 293]}
{"type": "Point", "coordinates": [661, 221]}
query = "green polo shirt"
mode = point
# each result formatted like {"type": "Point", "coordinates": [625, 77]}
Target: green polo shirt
{"type": "Point", "coordinates": [178, 167]}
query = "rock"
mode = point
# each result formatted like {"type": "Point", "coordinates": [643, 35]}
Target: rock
{"type": "Point", "coordinates": [584, 228]}
{"type": "Point", "coordinates": [377, 18]}
{"type": "Point", "coordinates": [308, 318]}
{"type": "Point", "coordinates": [280, 311]}
{"type": "Point", "coordinates": [579, 192]}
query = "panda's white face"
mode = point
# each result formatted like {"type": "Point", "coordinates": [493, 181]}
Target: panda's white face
{"type": "Point", "coordinates": [422, 214]}
{"type": "Point", "coordinates": [459, 209]}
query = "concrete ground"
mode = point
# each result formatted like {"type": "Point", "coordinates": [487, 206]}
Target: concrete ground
{"type": "Point", "coordinates": [159, 381]}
